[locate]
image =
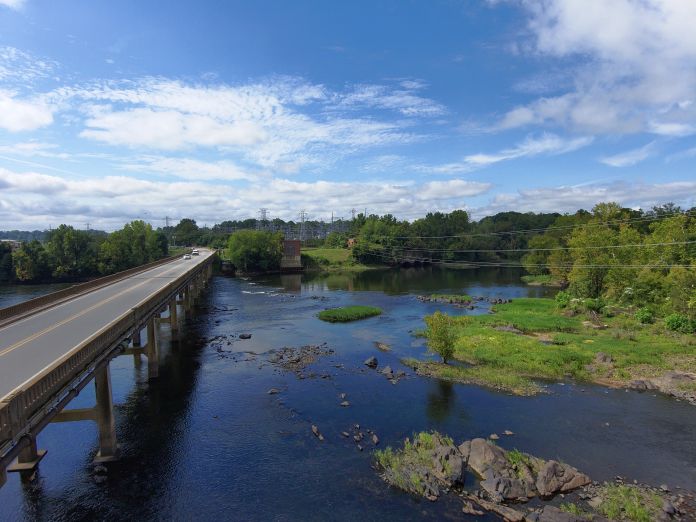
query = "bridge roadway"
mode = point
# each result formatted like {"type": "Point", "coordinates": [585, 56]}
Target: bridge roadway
{"type": "Point", "coordinates": [30, 345]}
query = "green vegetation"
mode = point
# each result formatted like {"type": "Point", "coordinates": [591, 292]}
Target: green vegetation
{"type": "Point", "coordinates": [621, 502]}
{"type": "Point", "coordinates": [398, 465]}
{"type": "Point", "coordinates": [680, 323]}
{"type": "Point", "coordinates": [554, 344]}
{"type": "Point", "coordinates": [330, 259]}
{"type": "Point", "coordinates": [440, 334]}
{"type": "Point", "coordinates": [348, 313]}
{"type": "Point", "coordinates": [541, 280]}
{"type": "Point", "coordinates": [255, 251]}
{"type": "Point", "coordinates": [451, 298]}
{"type": "Point", "coordinates": [69, 254]}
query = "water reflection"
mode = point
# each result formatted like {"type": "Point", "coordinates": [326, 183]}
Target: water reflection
{"type": "Point", "coordinates": [440, 400]}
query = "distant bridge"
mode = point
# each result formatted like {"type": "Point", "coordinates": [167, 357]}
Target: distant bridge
{"type": "Point", "coordinates": [53, 346]}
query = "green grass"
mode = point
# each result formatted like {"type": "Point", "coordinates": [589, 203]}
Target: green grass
{"type": "Point", "coordinates": [331, 259]}
{"type": "Point", "coordinates": [398, 466]}
{"type": "Point", "coordinates": [541, 280]}
{"type": "Point", "coordinates": [629, 503]}
{"type": "Point", "coordinates": [348, 313]}
{"type": "Point", "coordinates": [451, 298]}
{"type": "Point", "coordinates": [511, 362]}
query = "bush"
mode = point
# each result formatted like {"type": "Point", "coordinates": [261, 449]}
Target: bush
{"type": "Point", "coordinates": [594, 305]}
{"type": "Point", "coordinates": [441, 335]}
{"type": "Point", "coordinates": [562, 299]}
{"type": "Point", "coordinates": [645, 316]}
{"type": "Point", "coordinates": [680, 323]}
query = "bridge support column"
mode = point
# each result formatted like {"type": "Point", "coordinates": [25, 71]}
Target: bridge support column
{"type": "Point", "coordinates": [173, 323]}
{"type": "Point", "coordinates": [108, 447]}
{"type": "Point", "coordinates": [27, 460]}
{"type": "Point", "coordinates": [137, 343]}
{"type": "Point", "coordinates": [152, 350]}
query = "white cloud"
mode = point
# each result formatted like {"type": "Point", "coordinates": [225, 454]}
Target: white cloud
{"type": "Point", "coordinates": [631, 157]}
{"type": "Point", "coordinates": [32, 199]}
{"type": "Point", "coordinates": [546, 144]}
{"type": "Point", "coordinates": [404, 101]}
{"type": "Point", "coordinates": [12, 4]}
{"type": "Point", "coordinates": [189, 168]}
{"type": "Point", "coordinates": [637, 64]}
{"type": "Point", "coordinates": [572, 198]}
{"type": "Point", "coordinates": [17, 115]}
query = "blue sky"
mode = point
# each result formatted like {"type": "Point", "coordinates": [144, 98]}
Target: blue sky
{"type": "Point", "coordinates": [111, 111]}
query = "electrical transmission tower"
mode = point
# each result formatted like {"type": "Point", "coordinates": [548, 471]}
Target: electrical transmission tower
{"type": "Point", "coordinates": [352, 212]}
{"type": "Point", "coordinates": [303, 216]}
{"type": "Point", "coordinates": [262, 224]}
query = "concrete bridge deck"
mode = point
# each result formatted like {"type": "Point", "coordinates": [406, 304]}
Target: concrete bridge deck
{"type": "Point", "coordinates": [51, 347]}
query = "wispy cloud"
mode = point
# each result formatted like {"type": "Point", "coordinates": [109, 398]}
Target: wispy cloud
{"type": "Point", "coordinates": [546, 144]}
{"type": "Point", "coordinates": [630, 157]}
{"type": "Point", "coordinates": [12, 4]}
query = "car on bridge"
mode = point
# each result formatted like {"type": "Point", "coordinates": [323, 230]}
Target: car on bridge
{"type": "Point", "coordinates": [194, 252]}
{"type": "Point", "coordinates": [187, 256]}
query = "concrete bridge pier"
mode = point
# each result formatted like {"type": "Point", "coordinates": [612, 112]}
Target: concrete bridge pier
{"type": "Point", "coordinates": [173, 322]}
{"type": "Point", "coordinates": [104, 412]}
{"type": "Point", "coordinates": [152, 349]}
{"type": "Point", "coordinates": [136, 340]}
{"type": "Point", "coordinates": [27, 460]}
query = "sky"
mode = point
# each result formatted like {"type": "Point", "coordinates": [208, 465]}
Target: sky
{"type": "Point", "coordinates": [114, 111]}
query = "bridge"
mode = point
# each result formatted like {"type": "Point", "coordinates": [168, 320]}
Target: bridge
{"type": "Point", "coordinates": [51, 347]}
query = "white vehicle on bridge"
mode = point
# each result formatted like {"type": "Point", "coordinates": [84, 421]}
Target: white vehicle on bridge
{"type": "Point", "coordinates": [187, 256]}
{"type": "Point", "coordinates": [195, 252]}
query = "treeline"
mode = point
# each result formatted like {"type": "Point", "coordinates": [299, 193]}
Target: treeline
{"type": "Point", "coordinates": [622, 256]}
{"type": "Point", "coordinates": [68, 254]}
{"type": "Point", "coordinates": [441, 237]}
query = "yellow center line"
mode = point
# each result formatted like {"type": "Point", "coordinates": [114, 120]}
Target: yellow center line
{"type": "Point", "coordinates": [80, 314]}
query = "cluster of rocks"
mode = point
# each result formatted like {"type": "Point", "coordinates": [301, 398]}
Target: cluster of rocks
{"type": "Point", "coordinates": [509, 479]}
{"type": "Point", "coordinates": [297, 359]}
{"type": "Point", "coordinates": [681, 385]}
{"type": "Point", "coordinates": [360, 438]}
{"type": "Point", "coordinates": [387, 371]}
{"type": "Point", "coordinates": [447, 299]}
{"type": "Point", "coordinates": [382, 347]}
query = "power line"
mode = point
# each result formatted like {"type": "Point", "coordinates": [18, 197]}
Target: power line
{"type": "Point", "coordinates": [508, 264]}
{"type": "Point", "coordinates": [561, 227]}
{"type": "Point", "coordinates": [493, 250]}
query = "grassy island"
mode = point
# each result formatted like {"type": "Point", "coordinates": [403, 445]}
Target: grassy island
{"type": "Point", "coordinates": [331, 260]}
{"type": "Point", "coordinates": [346, 314]}
{"type": "Point", "coordinates": [533, 339]}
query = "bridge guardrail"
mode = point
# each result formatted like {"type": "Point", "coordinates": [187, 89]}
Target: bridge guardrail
{"type": "Point", "coordinates": [53, 297]}
{"type": "Point", "coordinates": [18, 408]}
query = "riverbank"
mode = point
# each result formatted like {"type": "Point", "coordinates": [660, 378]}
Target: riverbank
{"type": "Point", "coordinates": [333, 260]}
{"type": "Point", "coordinates": [529, 340]}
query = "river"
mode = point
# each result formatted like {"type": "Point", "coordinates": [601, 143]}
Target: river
{"type": "Point", "coordinates": [207, 441]}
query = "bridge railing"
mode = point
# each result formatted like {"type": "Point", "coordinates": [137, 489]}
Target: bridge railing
{"type": "Point", "coordinates": [54, 297]}
{"type": "Point", "coordinates": [18, 408]}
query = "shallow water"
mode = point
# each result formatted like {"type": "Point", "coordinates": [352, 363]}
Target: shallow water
{"type": "Point", "coordinates": [207, 441]}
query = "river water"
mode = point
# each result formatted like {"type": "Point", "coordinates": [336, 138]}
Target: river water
{"type": "Point", "coordinates": [206, 441]}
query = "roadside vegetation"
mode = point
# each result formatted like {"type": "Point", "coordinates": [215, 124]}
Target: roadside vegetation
{"type": "Point", "coordinates": [68, 254]}
{"type": "Point", "coordinates": [348, 313]}
{"type": "Point", "coordinates": [331, 259]}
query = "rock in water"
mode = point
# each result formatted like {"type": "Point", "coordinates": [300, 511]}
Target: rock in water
{"type": "Point", "coordinates": [317, 433]}
{"type": "Point", "coordinates": [508, 433]}
{"type": "Point", "coordinates": [345, 404]}
{"type": "Point", "coordinates": [383, 347]}
{"type": "Point", "coordinates": [245, 336]}
{"type": "Point", "coordinates": [273, 391]}
{"type": "Point", "coordinates": [555, 477]}
{"type": "Point", "coordinates": [375, 439]}
{"type": "Point", "coordinates": [493, 436]}
{"type": "Point", "coordinates": [345, 434]}
{"type": "Point", "coordinates": [469, 509]}
{"type": "Point", "coordinates": [387, 372]}
{"type": "Point", "coordinates": [371, 362]}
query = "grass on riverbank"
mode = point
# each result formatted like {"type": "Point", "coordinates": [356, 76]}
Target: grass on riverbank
{"type": "Point", "coordinates": [451, 298]}
{"type": "Point", "coordinates": [541, 280]}
{"type": "Point", "coordinates": [551, 345]}
{"type": "Point", "coordinates": [331, 259]}
{"type": "Point", "coordinates": [348, 313]}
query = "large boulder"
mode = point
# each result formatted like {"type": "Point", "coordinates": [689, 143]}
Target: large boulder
{"type": "Point", "coordinates": [555, 477]}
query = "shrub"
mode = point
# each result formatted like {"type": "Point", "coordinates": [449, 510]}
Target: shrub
{"type": "Point", "coordinates": [679, 323]}
{"type": "Point", "coordinates": [562, 299]}
{"type": "Point", "coordinates": [441, 335]}
{"type": "Point", "coordinates": [645, 316]}
{"type": "Point", "coordinates": [594, 305]}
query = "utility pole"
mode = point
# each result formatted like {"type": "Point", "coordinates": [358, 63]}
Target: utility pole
{"type": "Point", "coordinates": [87, 225]}
{"type": "Point", "coordinates": [303, 216]}
{"type": "Point", "coordinates": [166, 221]}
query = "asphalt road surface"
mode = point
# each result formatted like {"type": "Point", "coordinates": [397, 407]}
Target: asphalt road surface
{"type": "Point", "coordinates": [29, 345]}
